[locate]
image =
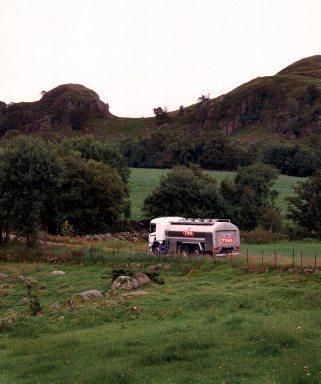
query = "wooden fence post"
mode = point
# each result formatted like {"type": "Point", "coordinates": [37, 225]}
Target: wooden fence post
{"type": "Point", "coordinates": [301, 260]}
{"type": "Point", "coordinates": [275, 259]}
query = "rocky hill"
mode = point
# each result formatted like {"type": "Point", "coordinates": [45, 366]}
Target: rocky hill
{"type": "Point", "coordinates": [287, 104]}
{"type": "Point", "coordinates": [65, 108]}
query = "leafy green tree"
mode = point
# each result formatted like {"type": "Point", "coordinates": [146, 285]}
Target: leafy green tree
{"type": "Point", "coordinates": [217, 153]}
{"type": "Point", "coordinates": [93, 197]}
{"type": "Point", "coordinates": [304, 209]}
{"type": "Point", "coordinates": [294, 160]}
{"type": "Point", "coordinates": [250, 197]}
{"type": "Point", "coordinates": [90, 148]}
{"type": "Point", "coordinates": [29, 180]}
{"type": "Point", "coordinates": [184, 192]}
{"type": "Point", "coordinates": [42, 187]}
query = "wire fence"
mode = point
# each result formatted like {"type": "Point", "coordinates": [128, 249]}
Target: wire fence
{"type": "Point", "coordinates": [98, 254]}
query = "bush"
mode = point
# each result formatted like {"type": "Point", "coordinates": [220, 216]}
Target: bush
{"type": "Point", "coordinates": [270, 219]}
{"type": "Point", "coordinates": [261, 236]}
{"type": "Point", "coordinates": [304, 209]}
{"type": "Point", "coordinates": [250, 199]}
{"type": "Point", "coordinates": [184, 192]}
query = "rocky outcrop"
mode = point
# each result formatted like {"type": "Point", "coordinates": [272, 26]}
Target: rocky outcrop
{"type": "Point", "coordinates": [125, 283]}
{"type": "Point", "coordinates": [142, 278]}
{"type": "Point", "coordinates": [288, 103]}
{"type": "Point", "coordinates": [70, 98]}
{"type": "Point", "coordinates": [65, 108]}
{"type": "Point", "coordinates": [91, 294]}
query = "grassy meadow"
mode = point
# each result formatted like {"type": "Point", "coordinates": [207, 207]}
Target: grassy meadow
{"type": "Point", "coordinates": [142, 181]}
{"type": "Point", "coordinates": [207, 324]}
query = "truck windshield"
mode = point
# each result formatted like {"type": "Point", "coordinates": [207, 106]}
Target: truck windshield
{"type": "Point", "coordinates": [152, 228]}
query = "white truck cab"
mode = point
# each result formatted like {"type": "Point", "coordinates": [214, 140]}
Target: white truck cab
{"type": "Point", "coordinates": [157, 229]}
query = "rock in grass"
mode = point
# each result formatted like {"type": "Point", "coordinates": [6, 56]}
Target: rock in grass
{"type": "Point", "coordinates": [21, 278]}
{"type": "Point", "coordinates": [136, 309]}
{"type": "Point", "coordinates": [91, 294]}
{"type": "Point", "coordinates": [25, 300]}
{"type": "Point", "coordinates": [3, 276]}
{"type": "Point", "coordinates": [125, 283]}
{"type": "Point", "coordinates": [55, 306]}
{"type": "Point", "coordinates": [58, 273]}
{"type": "Point", "coordinates": [135, 293]}
{"type": "Point", "coordinates": [142, 278]}
{"type": "Point", "coordinates": [158, 267]}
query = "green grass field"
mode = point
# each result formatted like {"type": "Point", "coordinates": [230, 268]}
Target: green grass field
{"type": "Point", "coordinates": [143, 181]}
{"type": "Point", "coordinates": [207, 324]}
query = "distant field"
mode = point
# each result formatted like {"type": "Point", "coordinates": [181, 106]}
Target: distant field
{"type": "Point", "coordinates": [143, 181]}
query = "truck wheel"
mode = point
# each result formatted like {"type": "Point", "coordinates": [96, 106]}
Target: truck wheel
{"type": "Point", "coordinates": [196, 250]}
{"type": "Point", "coordinates": [185, 251]}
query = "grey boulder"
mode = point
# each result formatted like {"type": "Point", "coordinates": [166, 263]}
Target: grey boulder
{"type": "Point", "coordinates": [91, 294]}
{"type": "Point", "coordinates": [3, 276]}
{"type": "Point", "coordinates": [142, 278]}
{"type": "Point", "coordinates": [125, 283]}
{"type": "Point", "coordinates": [58, 273]}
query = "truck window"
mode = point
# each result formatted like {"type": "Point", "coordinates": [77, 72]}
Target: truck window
{"type": "Point", "coordinates": [152, 228]}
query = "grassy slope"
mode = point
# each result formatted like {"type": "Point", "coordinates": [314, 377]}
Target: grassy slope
{"type": "Point", "coordinates": [208, 325]}
{"type": "Point", "coordinates": [121, 126]}
{"type": "Point", "coordinates": [143, 181]}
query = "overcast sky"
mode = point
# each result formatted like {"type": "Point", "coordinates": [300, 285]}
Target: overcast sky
{"type": "Point", "coordinates": [138, 54]}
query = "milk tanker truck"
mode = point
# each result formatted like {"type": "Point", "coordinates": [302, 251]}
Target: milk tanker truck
{"type": "Point", "coordinates": [218, 237]}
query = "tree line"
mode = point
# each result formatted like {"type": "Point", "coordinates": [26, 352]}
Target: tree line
{"type": "Point", "coordinates": [249, 200]}
{"type": "Point", "coordinates": [213, 151]}
{"type": "Point", "coordinates": [78, 185]}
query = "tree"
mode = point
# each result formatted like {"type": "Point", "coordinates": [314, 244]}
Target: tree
{"type": "Point", "coordinates": [184, 192]}
{"type": "Point", "coordinates": [304, 209]}
{"type": "Point", "coordinates": [181, 110]}
{"type": "Point", "coordinates": [92, 197]}
{"type": "Point", "coordinates": [29, 180]}
{"type": "Point", "coordinates": [161, 115]}
{"type": "Point", "coordinates": [43, 187]}
{"type": "Point", "coordinates": [90, 148]}
{"type": "Point", "coordinates": [293, 160]}
{"type": "Point", "coordinates": [250, 198]}
{"type": "Point", "coordinates": [204, 98]}
{"type": "Point", "coordinates": [217, 153]}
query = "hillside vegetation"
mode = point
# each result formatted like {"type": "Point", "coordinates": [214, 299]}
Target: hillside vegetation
{"type": "Point", "coordinates": [286, 105]}
{"type": "Point", "coordinates": [143, 181]}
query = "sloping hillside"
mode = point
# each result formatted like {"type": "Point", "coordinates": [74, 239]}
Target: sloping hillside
{"type": "Point", "coordinates": [64, 109]}
{"type": "Point", "coordinates": [286, 105]}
